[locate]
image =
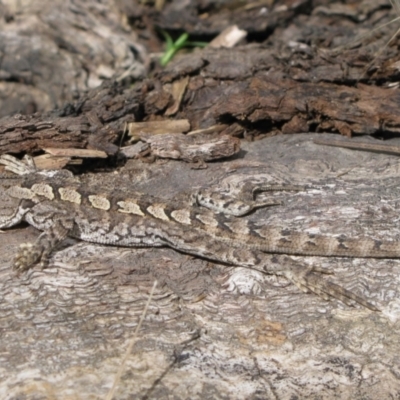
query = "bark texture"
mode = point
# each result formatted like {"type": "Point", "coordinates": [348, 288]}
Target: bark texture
{"type": "Point", "coordinates": [214, 331]}
{"type": "Point", "coordinates": [211, 331]}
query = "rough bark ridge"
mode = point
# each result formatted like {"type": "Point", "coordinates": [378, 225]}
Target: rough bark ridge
{"type": "Point", "coordinates": [52, 52]}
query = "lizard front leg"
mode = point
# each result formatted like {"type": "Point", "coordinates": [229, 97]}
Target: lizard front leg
{"type": "Point", "coordinates": [39, 252]}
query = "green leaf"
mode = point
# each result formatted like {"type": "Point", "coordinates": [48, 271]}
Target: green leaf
{"type": "Point", "coordinates": [172, 47]}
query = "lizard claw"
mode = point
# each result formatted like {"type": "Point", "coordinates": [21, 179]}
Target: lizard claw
{"type": "Point", "coordinates": [16, 166]}
{"type": "Point", "coordinates": [308, 279]}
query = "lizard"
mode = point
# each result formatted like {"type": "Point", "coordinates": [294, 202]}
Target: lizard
{"type": "Point", "coordinates": [58, 204]}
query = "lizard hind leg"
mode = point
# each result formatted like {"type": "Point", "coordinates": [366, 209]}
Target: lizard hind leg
{"type": "Point", "coordinates": [308, 279]}
{"type": "Point", "coordinates": [30, 254]}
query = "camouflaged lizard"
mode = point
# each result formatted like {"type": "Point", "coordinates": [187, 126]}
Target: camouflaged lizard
{"type": "Point", "coordinates": [57, 203]}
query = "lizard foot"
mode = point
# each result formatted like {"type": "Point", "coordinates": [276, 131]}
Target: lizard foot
{"type": "Point", "coordinates": [28, 255]}
{"type": "Point", "coordinates": [12, 164]}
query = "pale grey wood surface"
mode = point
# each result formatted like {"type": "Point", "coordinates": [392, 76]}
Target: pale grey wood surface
{"type": "Point", "coordinates": [214, 331]}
